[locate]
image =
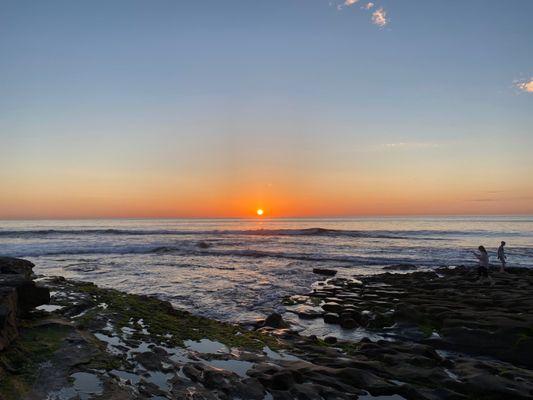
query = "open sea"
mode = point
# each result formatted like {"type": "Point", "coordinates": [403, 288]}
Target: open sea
{"type": "Point", "coordinates": [238, 270]}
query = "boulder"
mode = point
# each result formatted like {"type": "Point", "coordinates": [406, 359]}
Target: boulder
{"type": "Point", "coordinates": [29, 294]}
{"type": "Point", "coordinates": [18, 295]}
{"type": "Point", "coordinates": [10, 265]}
{"type": "Point", "coordinates": [332, 306]}
{"type": "Point", "coordinates": [275, 320]}
{"type": "Point", "coordinates": [348, 323]}
{"type": "Point", "coordinates": [331, 318]}
{"type": "Point", "coordinates": [330, 340]}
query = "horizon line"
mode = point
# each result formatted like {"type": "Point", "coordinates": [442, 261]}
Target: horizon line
{"type": "Point", "coordinates": [268, 218]}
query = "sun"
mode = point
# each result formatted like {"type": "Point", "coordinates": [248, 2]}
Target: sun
{"type": "Point", "coordinates": [260, 212]}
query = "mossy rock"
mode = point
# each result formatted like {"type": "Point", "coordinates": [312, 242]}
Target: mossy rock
{"type": "Point", "coordinates": [166, 324]}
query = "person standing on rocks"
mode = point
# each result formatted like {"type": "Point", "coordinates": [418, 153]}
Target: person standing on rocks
{"type": "Point", "coordinates": [483, 259]}
{"type": "Point", "coordinates": [501, 256]}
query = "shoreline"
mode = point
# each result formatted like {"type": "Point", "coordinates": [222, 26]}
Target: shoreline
{"type": "Point", "coordinates": [441, 337]}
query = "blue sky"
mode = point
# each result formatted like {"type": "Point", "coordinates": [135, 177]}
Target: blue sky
{"type": "Point", "coordinates": [102, 101]}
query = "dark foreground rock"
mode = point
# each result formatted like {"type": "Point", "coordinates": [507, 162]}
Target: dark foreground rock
{"type": "Point", "coordinates": [8, 316]}
{"type": "Point", "coordinates": [103, 344]}
{"type": "Point", "coordinates": [19, 294]}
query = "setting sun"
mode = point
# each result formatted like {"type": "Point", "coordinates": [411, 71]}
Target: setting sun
{"type": "Point", "coordinates": [260, 212]}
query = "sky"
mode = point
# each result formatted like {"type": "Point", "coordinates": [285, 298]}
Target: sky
{"type": "Point", "coordinates": [304, 108]}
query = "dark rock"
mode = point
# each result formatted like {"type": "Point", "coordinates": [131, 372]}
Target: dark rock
{"type": "Point", "coordinates": [149, 360]}
{"type": "Point", "coordinates": [150, 389]}
{"type": "Point", "coordinates": [332, 307]}
{"type": "Point", "coordinates": [8, 316]}
{"type": "Point", "coordinates": [331, 318]}
{"type": "Point", "coordinates": [18, 295]}
{"type": "Point", "coordinates": [307, 312]}
{"type": "Point", "coordinates": [324, 271]}
{"type": "Point", "coordinates": [9, 265]}
{"type": "Point", "coordinates": [348, 323]}
{"type": "Point", "coordinates": [275, 320]}
{"type": "Point", "coordinates": [193, 371]}
{"type": "Point", "coordinates": [281, 380]}
{"type": "Point", "coordinates": [203, 245]}
{"type": "Point", "coordinates": [216, 379]}
{"type": "Point", "coordinates": [249, 388]}
{"type": "Point", "coordinates": [330, 339]}
{"type": "Point", "coordinates": [29, 294]}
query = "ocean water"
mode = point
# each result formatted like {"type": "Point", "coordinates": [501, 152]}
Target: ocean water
{"type": "Point", "coordinates": [238, 270]}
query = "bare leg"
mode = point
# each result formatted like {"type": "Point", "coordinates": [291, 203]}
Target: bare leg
{"type": "Point", "coordinates": [502, 268]}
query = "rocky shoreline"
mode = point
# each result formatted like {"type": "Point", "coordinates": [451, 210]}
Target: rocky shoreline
{"type": "Point", "coordinates": [435, 335]}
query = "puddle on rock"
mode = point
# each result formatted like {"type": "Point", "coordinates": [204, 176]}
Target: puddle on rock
{"type": "Point", "coordinates": [49, 308]}
{"type": "Point", "coordinates": [279, 355]}
{"type": "Point", "coordinates": [84, 387]}
{"type": "Point", "coordinates": [206, 346]}
{"type": "Point", "coordinates": [160, 379]}
{"type": "Point", "coordinates": [113, 343]}
{"type": "Point", "coordinates": [126, 376]}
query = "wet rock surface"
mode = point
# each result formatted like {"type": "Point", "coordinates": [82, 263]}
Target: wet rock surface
{"type": "Point", "coordinates": [93, 343]}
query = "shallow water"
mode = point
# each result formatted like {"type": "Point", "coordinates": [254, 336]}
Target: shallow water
{"type": "Point", "coordinates": [84, 386]}
{"type": "Point", "coordinates": [239, 269]}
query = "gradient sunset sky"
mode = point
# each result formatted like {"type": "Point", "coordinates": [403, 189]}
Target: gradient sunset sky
{"type": "Point", "coordinates": [300, 107]}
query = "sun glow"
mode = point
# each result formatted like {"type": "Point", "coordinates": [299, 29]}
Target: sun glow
{"type": "Point", "coordinates": [260, 212]}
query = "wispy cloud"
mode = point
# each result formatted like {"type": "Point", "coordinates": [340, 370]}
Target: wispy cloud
{"type": "Point", "coordinates": [410, 145]}
{"type": "Point", "coordinates": [525, 85]}
{"type": "Point", "coordinates": [482, 200]}
{"type": "Point", "coordinates": [379, 17]}
{"type": "Point", "coordinates": [346, 3]}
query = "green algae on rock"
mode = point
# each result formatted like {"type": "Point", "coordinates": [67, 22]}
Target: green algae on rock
{"type": "Point", "coordinates": [161, 321]}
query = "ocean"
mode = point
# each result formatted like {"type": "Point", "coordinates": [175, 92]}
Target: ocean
{"type": "Point", "coordinates": [238, 270]}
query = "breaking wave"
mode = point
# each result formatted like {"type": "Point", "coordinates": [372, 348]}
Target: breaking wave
{"type": "Point", "coordinates": [378, 234]}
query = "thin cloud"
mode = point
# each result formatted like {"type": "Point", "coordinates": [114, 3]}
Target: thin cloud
{"type": "Point", "coordinates": [379, 17]}
{"type": "Point", "coordinates": [347, 3]}
{"type": "Point", "coordinates": [525, 85]}
{"type": "Point", "coordinates": [411, 145]}
{"type": "Point", "coordinates": [482, 200]}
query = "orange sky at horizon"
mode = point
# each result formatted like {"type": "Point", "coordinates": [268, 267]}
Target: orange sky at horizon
{"type": "Point", "coordinates": [109, 197]}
